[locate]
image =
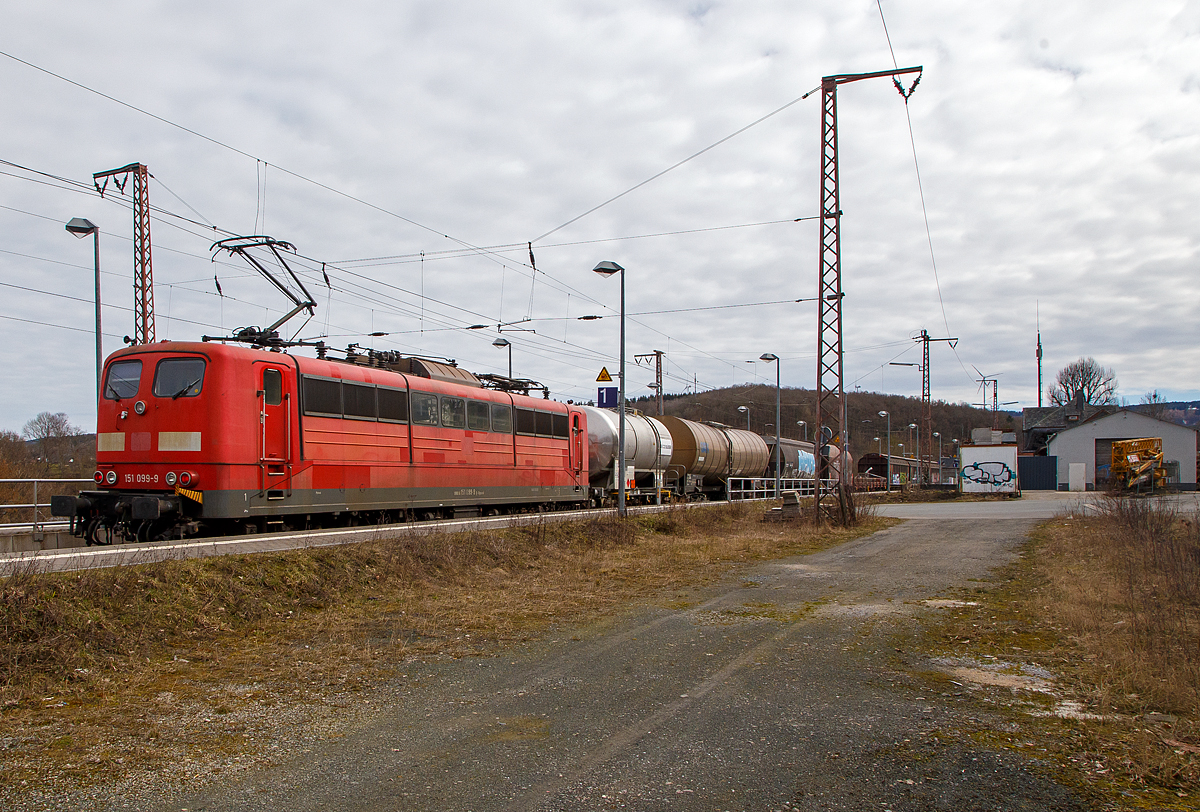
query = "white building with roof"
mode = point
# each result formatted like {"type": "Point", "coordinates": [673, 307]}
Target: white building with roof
{"type": "Point", "coordinates": [1090, 445]}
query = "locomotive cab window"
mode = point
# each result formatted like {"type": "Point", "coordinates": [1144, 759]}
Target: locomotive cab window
{"type": "Point", "coordinates": [272, 387]}
{"type": "Point", "coordinates": [123, 379]}
{"type": "Point", "coordinates": [179, 378]}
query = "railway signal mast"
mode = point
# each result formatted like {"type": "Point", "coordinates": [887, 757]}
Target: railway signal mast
{"type": "Point", "coordinates": [831, 422]}
{"type": "Point", "coordinates": [143, 278]}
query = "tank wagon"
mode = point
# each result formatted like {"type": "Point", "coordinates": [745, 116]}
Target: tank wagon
{"type": "Point", "coordinates": [204, 438]}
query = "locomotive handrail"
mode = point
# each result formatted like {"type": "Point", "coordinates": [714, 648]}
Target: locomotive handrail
{"type": "Point", "coordinates": [36, 524]}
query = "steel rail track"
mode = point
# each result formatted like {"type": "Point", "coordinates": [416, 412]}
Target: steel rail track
{"type": "Point", "coordinates": [82, 558]}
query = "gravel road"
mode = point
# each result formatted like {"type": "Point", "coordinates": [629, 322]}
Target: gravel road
{"type": "Point", "coordinates": [794, 685]}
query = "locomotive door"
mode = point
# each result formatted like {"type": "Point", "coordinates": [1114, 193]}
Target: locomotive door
{"type": "Point", "coordinates": [577, 450]}
{"type": "Point", "coordinates": [275, 460]}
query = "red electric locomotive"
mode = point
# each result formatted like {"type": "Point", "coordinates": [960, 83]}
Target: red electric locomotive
{"type": "Point", "coordinates": [209, 437]}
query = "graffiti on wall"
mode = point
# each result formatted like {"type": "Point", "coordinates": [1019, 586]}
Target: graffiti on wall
{"type": "Point", "coordinates": [992, 473]}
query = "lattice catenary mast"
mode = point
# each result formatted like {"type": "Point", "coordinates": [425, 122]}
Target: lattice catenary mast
{"type": "Point", "coordinates": [831, 425]}
{"type": "Point", "coordinates": [926, 451]}
{"type": "Point", "coordinates": [143, 277]}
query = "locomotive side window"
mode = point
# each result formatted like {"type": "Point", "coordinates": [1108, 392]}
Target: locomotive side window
{"type": "Point", "coordinates": [179, 378]}
{"type": "Point", "coordinates": [322, 397]}
{"type": "Point", "coordinates": [560, 428]}
{"type": "Point", "coordinates": [393, 405]}
{"type": "Point", "coordinates": [358, 400]}
{"type": "Point", "coordinates": [477, 416]}
{"type": "Point", "coordinates": [545, 424]}
{"type": "Point", "coordinates": [526, 421]}
{"type": "Point", "coordinates": [272, 387]}
{"type": "Point", "coordinates": [123, 378]}
{"type": "Point", "coordinates": [424, 409]}
{"type": "Point", "coordinates": [502, 418]}
{"type": "Point", "coordinates": [454, 413]}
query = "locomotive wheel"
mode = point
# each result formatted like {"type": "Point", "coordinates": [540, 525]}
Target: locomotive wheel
{"type": "Point", "coordinates": [91, 534]}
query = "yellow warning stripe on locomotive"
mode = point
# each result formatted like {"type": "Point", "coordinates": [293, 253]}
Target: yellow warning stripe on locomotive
{"type": "Point", "coordinates": [195, 496]}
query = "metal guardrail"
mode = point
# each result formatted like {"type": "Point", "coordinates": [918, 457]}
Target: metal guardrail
{"type": "Point", "coordinates": [37, 524]}
{"type": "Point", "coordinates": [759, 487]}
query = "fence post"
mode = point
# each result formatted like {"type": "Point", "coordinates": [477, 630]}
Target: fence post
{"type": "Point", "coordinates": [37, 529]}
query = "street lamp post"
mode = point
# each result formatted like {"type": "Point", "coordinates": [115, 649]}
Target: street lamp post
{"type": "Point", "coordinates": [746, 409]}
{"type": "Point", "coordinates": [879, 446]}
{"type": "Point", "coordinates": [888, 415]}
{"type": "Point", "coordinates": [917, 430]}
{"type": "Point", "coordinates": [81, 228]}
{"type": "Point", "coordinates": [938, 435]}
{"type": "Point", "coordinates": [503, 342]}
{"type": "Point", "coordinates": [769, 357]}
{"type": "Point", "coordinates": [607, 268]}
{"type": "Point", "coordinates": [802, 423]}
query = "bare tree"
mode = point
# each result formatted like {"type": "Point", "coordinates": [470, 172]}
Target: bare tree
{"type": "Point", "coordinates": [53, 434]}
{"type": "Point", "coordinates": [1097, 384]}
{"type": "Point", "coordinates": [1154, 404]}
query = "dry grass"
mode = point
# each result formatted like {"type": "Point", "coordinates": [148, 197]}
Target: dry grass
{"type": "Point", "coordinates": [1111, 604]}
{"type": "Point", "coordinates": [1129, 591]}
{"type": "Point", "coordinates": [154, 664]}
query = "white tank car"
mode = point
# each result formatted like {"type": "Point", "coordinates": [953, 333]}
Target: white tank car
{"type": "Point", "coordinates": [647, 447]}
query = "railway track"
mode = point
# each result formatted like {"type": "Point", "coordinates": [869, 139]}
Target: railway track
{"type": "Point", "coordinates": [81, 558]}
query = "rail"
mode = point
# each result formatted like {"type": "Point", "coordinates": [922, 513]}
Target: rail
{"type": "Point", "coordinates": [36, 523]}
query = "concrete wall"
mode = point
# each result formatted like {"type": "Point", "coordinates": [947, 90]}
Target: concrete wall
{"type": "Point", "coordinates": [988, 469]}
{"type": "Point", "coordinates": [1078, 444]}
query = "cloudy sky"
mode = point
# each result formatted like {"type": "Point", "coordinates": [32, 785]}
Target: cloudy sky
{"type": "Point", "coordinates": [415, 148]}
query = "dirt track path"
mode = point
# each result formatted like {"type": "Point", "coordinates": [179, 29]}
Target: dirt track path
{"type": "Point", "coordinates": [789, 687]}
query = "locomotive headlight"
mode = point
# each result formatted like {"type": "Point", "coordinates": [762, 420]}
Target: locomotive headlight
{"type": "Point", "coordinates": [186, 478]}
{"type": "Point", "coordinates": [140, 407]}
{"type": "Point", "coordinates": [171, 478]}
{"type": "Point", "coordinates": [98, 477]}
{"type": "Point", "coordinates": [111, 477]}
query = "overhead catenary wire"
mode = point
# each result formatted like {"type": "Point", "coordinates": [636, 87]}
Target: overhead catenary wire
{"type": "Point", "coordinates": [921, 192]}
{"type": "Point", "coordinates": [672, 167]}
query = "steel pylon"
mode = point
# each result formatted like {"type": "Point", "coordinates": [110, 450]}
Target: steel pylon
{"type": "Point", "coordinates": [833, 475]}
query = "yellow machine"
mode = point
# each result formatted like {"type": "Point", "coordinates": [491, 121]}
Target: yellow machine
{"type": "Point", "coordinates": [1138, 463]}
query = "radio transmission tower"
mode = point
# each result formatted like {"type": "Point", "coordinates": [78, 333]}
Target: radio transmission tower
{"type": "Point", "coordinates": [831, 425]}
{"type": "Point", "coordinates": [143, 277]}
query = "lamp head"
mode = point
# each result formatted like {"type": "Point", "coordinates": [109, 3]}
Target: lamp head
{"type": "Point", "coordinates": [742, 409]}
{"type": "Point", "coordinates": [501, 342]}
{"type": "Point", "coordinates": [768, 357]}
{"type": "Point", "coordinates": [607, 268]}
{"type": "Point", "coordinates": [883, 414]}
{"type": "Point", "coordinates": [81, 227]}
